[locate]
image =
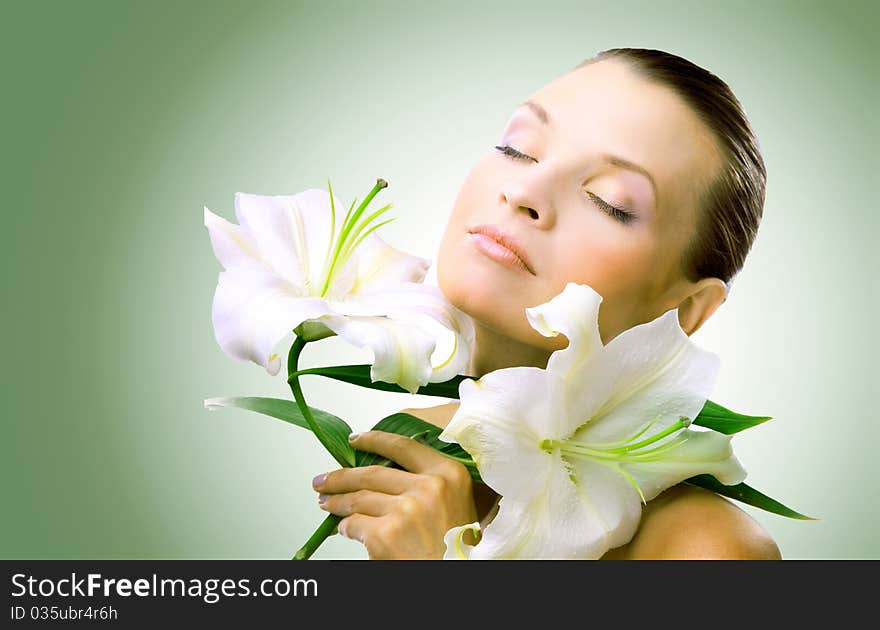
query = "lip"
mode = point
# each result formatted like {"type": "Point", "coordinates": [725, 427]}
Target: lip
{"type": "Point", "coordinates": [507, 241]}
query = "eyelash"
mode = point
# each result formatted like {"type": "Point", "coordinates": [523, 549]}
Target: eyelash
{"type": "Point", "coordinates": [618, 213]}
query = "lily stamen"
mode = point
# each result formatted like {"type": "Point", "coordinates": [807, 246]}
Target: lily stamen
{"type": "Point", "coordinates": [672, 428]}
{"type": "Point", "coordinates": [629, 452]}
{"type": "Point", "coordinates": [340, 255]}
{"type": "Point", "coordinates": [626, 440]}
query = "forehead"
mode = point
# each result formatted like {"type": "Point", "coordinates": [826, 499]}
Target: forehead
{"type": "Point", "coordinates": [606, 108]}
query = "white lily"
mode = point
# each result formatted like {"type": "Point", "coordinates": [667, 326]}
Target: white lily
{"type": "Point", "coordinates": [575, 449]}
{"type": "Point", "coordinates": [289, 266]}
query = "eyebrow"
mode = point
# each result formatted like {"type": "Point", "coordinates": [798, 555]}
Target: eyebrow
{"type": "Point", "coordinates": [539, 111]}
{"type": "Point", "coordinates": [615, 160]}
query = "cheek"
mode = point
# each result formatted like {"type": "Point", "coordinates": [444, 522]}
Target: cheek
{"type": "Point", "coordinates": [603, 255]}
{"type": "Point", "coordinates": [617, 262]}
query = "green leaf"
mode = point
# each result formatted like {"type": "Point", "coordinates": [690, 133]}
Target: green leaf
{"type": "Point", "coordinates": [337, 430]}
{"type": "Point", "coordinates": [746, 494]}
{"type": "Point", "coordinates": [426, 433]}
{"type": "Point", "coordinates": [718, 418]}
{"type": "Point", "coordinates": [712, 416]}
{"type": "Point", "coordinates": [360, 375]}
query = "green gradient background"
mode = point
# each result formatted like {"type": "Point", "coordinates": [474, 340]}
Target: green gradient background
{"type": "Point", "coordinates": [122, 120]}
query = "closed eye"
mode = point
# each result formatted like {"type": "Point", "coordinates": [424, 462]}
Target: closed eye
{"type": "Point", "coordinates": [621, 214]}
{"type": "Point", "coordinates": [508, 150]}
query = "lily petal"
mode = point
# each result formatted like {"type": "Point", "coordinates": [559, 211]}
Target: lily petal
{"type": "Point", "coordinates": [380, 266]}
{"type": "Point", "coordinates": [575, 313]}
{"type": "Point", "coordinates": [649, 370]}
{"type": "Point", "coordinates": [456, 548]}
{"type": "Point", "coordinates": [292, 232]}
{"type": "Point", "coordinates": [254, 310]}
{"type": "Point", "coordinates": [232, 246]}
{"type": "Point", "coordinates": [565, 521]}
{"type": "Point", "coordinates": [402, 351]}
{"type": "Point", "coordinates": [615, 504]}
{"type": "Point", "coordinates": [501, 422]}
{"type": "Point", "coordinates": [426, 308]}
{"type": "Point", "coordinates": [510, 531]}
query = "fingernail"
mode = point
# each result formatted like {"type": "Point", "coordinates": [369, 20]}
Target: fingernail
{"type": "Point", "coordinates": [322, 498]}
{"type": "Point", "coordinates": [319, 479]}
{"type": "Point", "coordinates": [353, 437]}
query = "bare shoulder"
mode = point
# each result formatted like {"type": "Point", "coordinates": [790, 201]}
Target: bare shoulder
{"type": "Point", "coordinates": [439, 415]}
{"type": "Point", "coordinates": [690, 523]}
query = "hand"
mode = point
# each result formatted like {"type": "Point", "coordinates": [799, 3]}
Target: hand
{"type": "Point", "coordinates": [399, 514]}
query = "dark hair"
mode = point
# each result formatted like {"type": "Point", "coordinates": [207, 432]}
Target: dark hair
{"type": "Point", "coordinates": [732, 203]}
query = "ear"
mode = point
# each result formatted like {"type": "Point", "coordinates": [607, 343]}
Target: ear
{"type": "Point", "coordinates": [705, 296]}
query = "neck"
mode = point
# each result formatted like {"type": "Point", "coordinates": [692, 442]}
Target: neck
{"type": "Point", "coordinates": [494, 351]}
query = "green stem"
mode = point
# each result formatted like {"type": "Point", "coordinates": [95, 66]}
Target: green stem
{"type": "Point", "coordinates": [328, 526]}
{"type": "Point", "coordinates": [292, 360]}
{"type": "Point", "coordinates": [467, 463]}
{"type": "Point", "coordinates": [325, 529]}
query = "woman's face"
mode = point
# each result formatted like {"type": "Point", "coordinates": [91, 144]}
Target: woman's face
{"type": "Point", "coordinates": [596, 137]}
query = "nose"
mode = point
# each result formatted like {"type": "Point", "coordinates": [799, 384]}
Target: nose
{"type": "Point", "coordinates": [530, 195]}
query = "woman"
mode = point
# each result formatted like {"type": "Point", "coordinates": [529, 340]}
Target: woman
{"type": "Point", "coordinates": [637, 173]}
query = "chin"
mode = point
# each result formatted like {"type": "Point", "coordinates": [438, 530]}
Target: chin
{"type": "Point", "coordinates": [468, 282]}
{"type": "Point", "coordinates": [478, 293]}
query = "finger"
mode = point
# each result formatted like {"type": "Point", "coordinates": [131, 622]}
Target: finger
{"type": "Point", "coordinates": [360, 502]}
{"type": "Point", "coordinates": [375, 478]}
{"type": "Point", "coordinates": [362, 528]}
{"type": "Point", "coordinates": [413, 456]}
